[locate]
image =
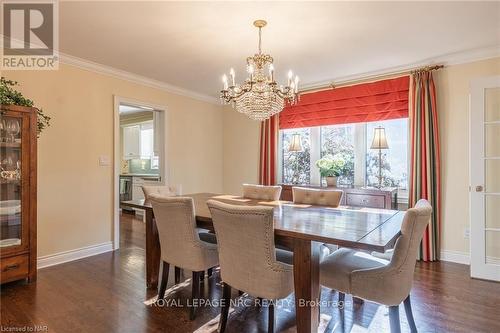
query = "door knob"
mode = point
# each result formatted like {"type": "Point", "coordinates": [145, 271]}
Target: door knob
{"type": "Point", "coordinates": [479, 188]}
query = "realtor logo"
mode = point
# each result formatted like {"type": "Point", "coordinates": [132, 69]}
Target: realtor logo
{"type": "Point", "coordinates": [29, 35]}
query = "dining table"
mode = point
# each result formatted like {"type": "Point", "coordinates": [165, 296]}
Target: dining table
{"type": "Point", "coordinates": [302, 229]}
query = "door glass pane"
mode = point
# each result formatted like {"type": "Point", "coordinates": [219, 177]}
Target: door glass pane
{"type": "Point", "coordinates": [492, 245]}
{"type": "Point", "coordinates": [492, 140]}
{"type": "Point", "coordinates": [10, 181]}
{"type": "Point", "coordinates": [492, 176]}
{"type": "Point", "coordinates": [492, 104]}
{"type": "Point", "coordinates": [492, 205]}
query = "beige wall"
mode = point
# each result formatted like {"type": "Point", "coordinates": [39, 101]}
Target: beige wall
{"type": "Point", "coordinates": [209, 149]}
{"type": "Point", "coordinates": [241, 150]}
{"type": "Point", "coordinates": [75, 194]}
{"type": "Point", "coordinates": [452, 83]}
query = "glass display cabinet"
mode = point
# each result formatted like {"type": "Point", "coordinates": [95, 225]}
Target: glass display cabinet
{"type": "Point", "coordinates": [18, 157]}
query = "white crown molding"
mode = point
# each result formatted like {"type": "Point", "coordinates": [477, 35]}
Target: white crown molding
{"type": "Point", "coordinates": [66, 256]}
{"type": "Point", "coordinates": [449, 59]}
{"type": "Point", "coordinates": [135, 78]}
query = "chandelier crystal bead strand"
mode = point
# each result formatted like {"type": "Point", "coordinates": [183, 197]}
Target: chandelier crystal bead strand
{"type": "Point", "coordinates": [259, 96]}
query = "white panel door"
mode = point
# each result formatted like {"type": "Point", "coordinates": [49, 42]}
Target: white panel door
{"type": "Point", "coordinates": [485, 178]}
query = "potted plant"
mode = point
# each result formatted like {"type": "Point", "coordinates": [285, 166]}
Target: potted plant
{"type": "Point", "coordinates": [10, 96]}
{"type": "Point", "coordinates": [330, 167]}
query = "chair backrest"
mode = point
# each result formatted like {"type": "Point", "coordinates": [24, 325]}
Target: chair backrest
{"type": "Point", "coordinates": [179, 240]}
{"type": "Point", "coordinates": [163, 191]}
{"type": "Point", "coordinates": [319, 197]}
{"type": "Point", "coordinates": [247, 257]}
{"type": "Point", "coordinates": [394, 281]}
{"type": "Point", "coordinates": [261, 192]}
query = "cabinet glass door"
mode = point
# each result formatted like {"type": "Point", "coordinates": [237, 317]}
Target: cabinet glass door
{"type": "Point", "coordinates": [11, 148]}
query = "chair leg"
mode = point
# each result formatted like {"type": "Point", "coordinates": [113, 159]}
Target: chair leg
{"type": "Point", "coordinates": [225, 304]}
{"type": "Point", "coordinates": [195, 284]}
{"type": "Point", "coordinates": [164, 280]}
{"type": "Point", "coordinates": [177, 275]}
{"type": "Point", "coordinates": [271, 319]}
{"type": "Point", "coordinates": [342, 298]}
{"type": "Point", "coordinates": [409, 315]}
{"type": "Point", "coordinates": [394, 319]}
{"type": "Point", "coordinates": [210, 272]}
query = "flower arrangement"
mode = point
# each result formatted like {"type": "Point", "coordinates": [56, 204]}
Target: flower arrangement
{"type": "Point", "coordinates": [331, 166]}
{"type": "Point", "coordinates": [10, 96]}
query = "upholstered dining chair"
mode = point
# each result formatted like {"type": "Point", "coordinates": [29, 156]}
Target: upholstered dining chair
{"type": "Point", "coordinates": [318, 197]}
{"type": "Point", "coordinates": [161, 190]}
{"type": "Point", "coordinates": [261, 192]}
{"type": "Point", "coordinates": [386, 282]}
{"type": "Point", "coordinates": [260, 270]}
{"type": "Point", "coordinates": [181, 243]}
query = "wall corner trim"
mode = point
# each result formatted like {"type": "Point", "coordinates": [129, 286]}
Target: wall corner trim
{"type": "Point", "coordinates": [71, 255]}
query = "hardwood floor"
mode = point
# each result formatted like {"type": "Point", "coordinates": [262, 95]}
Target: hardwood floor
{"type": "Point", "coordinates": [106, 293]}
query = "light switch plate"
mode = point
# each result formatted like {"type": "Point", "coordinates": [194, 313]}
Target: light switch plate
{"type": "Point", "coordinates": [104, 160]}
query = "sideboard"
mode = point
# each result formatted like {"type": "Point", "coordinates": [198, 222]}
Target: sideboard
{"type": "Point", "coordinates": [355, 196]}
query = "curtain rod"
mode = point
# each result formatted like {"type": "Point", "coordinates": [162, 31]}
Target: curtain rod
{"type": "Point", "coordinates": [367, 79]}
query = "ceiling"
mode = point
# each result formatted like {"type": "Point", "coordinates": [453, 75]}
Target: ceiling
{"type": "Point", "coordinates": [191, 44]}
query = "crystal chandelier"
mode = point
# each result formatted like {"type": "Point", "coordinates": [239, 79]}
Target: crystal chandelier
{"type": "Point", "coordinates": [259, 97]}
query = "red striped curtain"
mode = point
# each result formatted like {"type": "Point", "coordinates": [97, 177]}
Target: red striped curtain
{"type": "Point", "coordinates": [374, 101]}
{"type": "Point", "coordinates": [425, 180]}
{"type": "Point", "coordinates": [268, 151]}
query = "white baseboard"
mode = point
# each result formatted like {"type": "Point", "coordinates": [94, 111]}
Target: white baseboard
{"type": "Point", "coordinates": [66, 256]}
{"type": "Point", "coordinates": [458, 257]}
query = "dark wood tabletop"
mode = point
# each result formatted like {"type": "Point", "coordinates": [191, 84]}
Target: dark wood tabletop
{"type": "Point", "coordinates": [354, 227]}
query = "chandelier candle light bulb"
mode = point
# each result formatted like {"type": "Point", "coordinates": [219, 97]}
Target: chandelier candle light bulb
{"type": "Point", "coordinates": [224, 81]}
{"type": "Point", "coordinates": [260, 96]}
{"type": "Point", "coordinates": [231, 73]}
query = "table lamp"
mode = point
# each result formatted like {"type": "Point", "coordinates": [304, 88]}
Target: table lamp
{"type": "Point", "coordinates": [296, 146]}
{"type": "Point", "coordinates": [379, 142]}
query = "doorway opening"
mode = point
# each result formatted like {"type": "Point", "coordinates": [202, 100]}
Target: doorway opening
{"type": "Point", "coordinates": [139, 157]}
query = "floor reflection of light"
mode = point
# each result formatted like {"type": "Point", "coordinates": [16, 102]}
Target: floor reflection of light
{"type": "Point", "coordinates": [380, 322]}
{"type": "Point", "coordinates": [170, 291]}
{"type": "Point", "coordinates": [211, 326]}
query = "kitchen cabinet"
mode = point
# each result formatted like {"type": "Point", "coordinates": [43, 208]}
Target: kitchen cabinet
{"type": "Point", "coordinates": [131, 142]}
{"type": "Point", "coordinates": [18, 181]}
{"type": "Point", "coordinates": [138, 141]}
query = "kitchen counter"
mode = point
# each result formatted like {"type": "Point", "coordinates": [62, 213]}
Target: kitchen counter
{"type": "Point", "coordinates": [139, 175]}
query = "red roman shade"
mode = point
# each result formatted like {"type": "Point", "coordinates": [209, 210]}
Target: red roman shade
{"type": "Point", "coordinates": [381, 100]}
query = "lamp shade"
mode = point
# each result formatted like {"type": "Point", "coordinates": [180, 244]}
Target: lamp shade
{"type": "Point", "coordinates": [296, 143]}
{"type": "Point", "coordinates": [379, 139]}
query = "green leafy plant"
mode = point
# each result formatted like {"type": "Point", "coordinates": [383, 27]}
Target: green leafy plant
{"type": "Point", "coordinates": [331, 166]}
{"type": "Point", "coordinates": [10, 96]}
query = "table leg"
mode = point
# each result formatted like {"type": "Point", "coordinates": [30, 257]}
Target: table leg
{"type": "Point", "coordinates": [152, 251]}
{"type": "Point", "coordinates": [306, 280]}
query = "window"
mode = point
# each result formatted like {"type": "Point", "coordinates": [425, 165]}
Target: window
{"type": "Point", "coordinates": [339, 139]}
{"type": "Point", "coordinates": [353, 142]}
{"type": "Point", "coordinates": [394, 159]}
{"type": "Point", "coordinates": [296, 165]}
{"type": "Point", "coordinates": [146, 140]}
